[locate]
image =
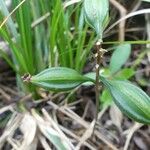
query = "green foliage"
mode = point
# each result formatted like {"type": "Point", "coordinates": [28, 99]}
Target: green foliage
{"type": "Point", "coordinates": [130, 99]}
{"type": "Point", "coordinates": [61, 39]}
{"type": "Point", "coordinates": [51, 42]}
{"type": "Point", "coordinates": [106, 98]}
{"type": "Point", "coordinates": [96, 14]}
{"type": "Point", "coordinates": [125, 74]}
{"type": "Point", "coordinates": [58, 79]}
{"type": "Point", "coordinates": [92, 76]}
{"type": "Point", "coordinates": [119, 57]}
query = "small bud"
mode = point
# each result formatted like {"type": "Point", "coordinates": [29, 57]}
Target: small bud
{"type": "Point", "coordinates": [97, 66]}
{"type": "Point", "coordinates": [26, 77]}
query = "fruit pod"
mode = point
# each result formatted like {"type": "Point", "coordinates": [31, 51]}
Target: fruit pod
{"type": "Point", "coordinates": [96, 14]}
{"type": "Point", "coordinates": [131, 100]}
{"type": "Point", "coordinates": [58, 79]}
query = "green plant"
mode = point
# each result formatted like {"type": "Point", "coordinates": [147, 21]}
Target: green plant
{"type": "Point", "coordinates": [129, 98]}
{"type": "Point", "coordinates": [51, 43]}
{"type": "Point", "coordinates": [57, 79]}
{"type": "Point", "coordinates": [49, 47]}
{"type": "Point", "coordinates": [39, 36]}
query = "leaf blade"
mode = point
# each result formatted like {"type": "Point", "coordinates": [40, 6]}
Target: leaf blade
{"type": "Point", "coordinates": [130, 99]}
{"type": "Point", "coordinates": [119, 57]}
{"type": "Point", "coordinates": [59, 79]}
{"type": "Point", "coordinates": [96, 13]}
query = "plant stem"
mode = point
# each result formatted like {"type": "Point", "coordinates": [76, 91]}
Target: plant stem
{"type": "Point", "coordinates": [97, 84]}
{"type": "Point", "coordinates": [98, 57]}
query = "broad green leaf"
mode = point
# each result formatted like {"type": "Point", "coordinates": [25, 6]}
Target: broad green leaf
{"type": "Point", "coordinates": [106, 98]}
{"type": "Point", "coordinates": [58, 79]}
{"type": "Point", "coordinates": [119, 57]}
{"type": "Point", "coordinates": [105, 72]}
{"type": "Point", "coordinates": [92, 76]}
{"type": "Point", "coordinates": [130, 99]}
{"type": "Point", "coordinates": [96, 14]}
{"type": "Point", "coordinates": [125, 74]}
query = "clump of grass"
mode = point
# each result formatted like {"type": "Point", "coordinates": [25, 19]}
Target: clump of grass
{"type": "Point", "coordinates": [59, 39]}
